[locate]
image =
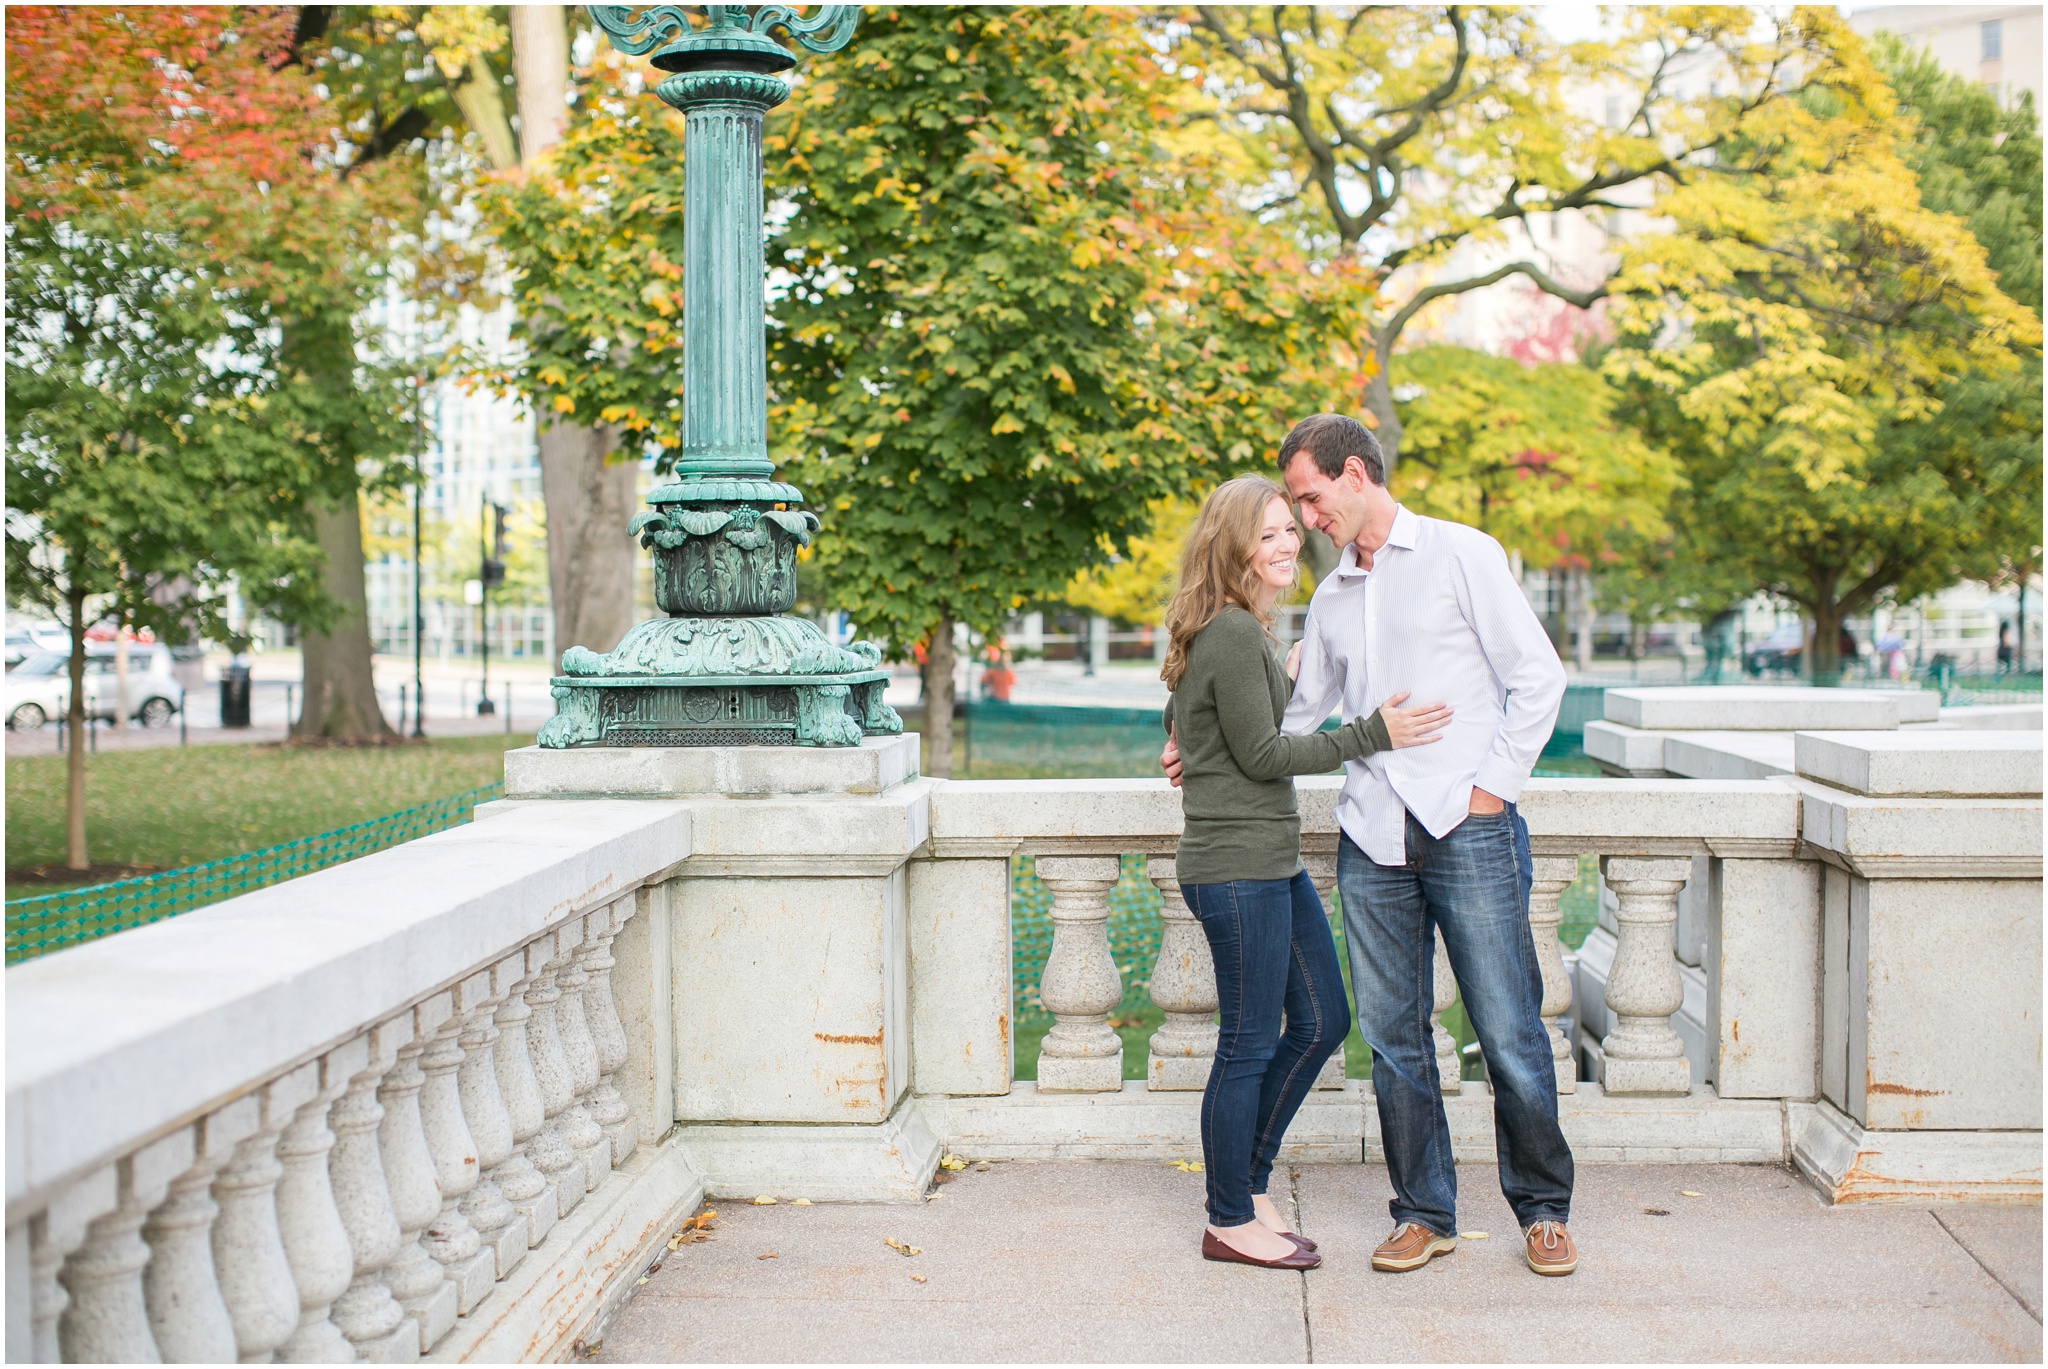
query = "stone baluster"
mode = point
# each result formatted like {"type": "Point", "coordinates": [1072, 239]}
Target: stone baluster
{"type": "Point", "coordinates": [519, 1178]}
{"type": "Point", "coordinates": [553, 1150]}
{"type": "Point", "coordinates": [187, 1314]}
{"type": "Point", "coordinates": [316, 1244]}
{"type": "Point", "coordinates": [1322, 872]}
{"type": "Point", "coordinates": [53, 1234]}
{"type": "Point", "coordinates": [1184, 987]}
{"type": "Point", "coordinates": [579, 1048]}
{"type": "Point", "coordinates": [1446, 985]}
{"type": "Point", "coordinates": [496, 1221]}
{"type": "Point", "coordinates": [1554, 875]}
{"type": "Point", "coordinates": [415, 1278]}
{"type": "Point", "coordinates": [449, 1237]}
{"type": "Point", "coordinates": [607, 1105]}
{"type": "Point", "coordinates": [367, 1313]}
{"type": "Point", "coordinates": [107, 1320]}
{"type": "Point", "coordinates": [1080, 985]}
{"type": "Point", "coordinates": [1642, 1053]}
{"type": "Point", "coordinates": [248, 1249]}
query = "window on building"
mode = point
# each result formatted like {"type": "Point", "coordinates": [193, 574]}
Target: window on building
{"type": "Point", "coordinates": [1992, 36]}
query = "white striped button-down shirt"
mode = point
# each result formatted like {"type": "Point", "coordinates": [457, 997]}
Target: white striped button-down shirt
{"type": "Point", "coordinates": [1440, 615]}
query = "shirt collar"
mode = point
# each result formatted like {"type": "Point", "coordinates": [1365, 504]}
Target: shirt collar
{"type": "Point", "coordinates": [1403, 534]}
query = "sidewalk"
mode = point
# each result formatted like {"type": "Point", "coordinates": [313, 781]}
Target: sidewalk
{"type": "Point", "coordinates": [1099, 1262]}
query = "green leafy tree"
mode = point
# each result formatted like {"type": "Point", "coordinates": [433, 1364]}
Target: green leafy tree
{"type": "Point", "coordinates": [1438, 147]}
{"type": "Point", "coordinates": [1794, 340]}
{"type": "Point", "coordinates": [1983, 164]}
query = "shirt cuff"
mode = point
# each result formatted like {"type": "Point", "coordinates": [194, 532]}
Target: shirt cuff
{"type": "Point", "coordinates": [1501, 778]}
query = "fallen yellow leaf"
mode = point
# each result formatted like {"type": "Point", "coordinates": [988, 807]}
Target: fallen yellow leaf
{"type": "Point", "coordinates": [1187, 1166]}
{"type": "Point", "coordinates": [900, 1248]}
{"type": "Point", "coordinates": [1475, 1235]}
{"type": "Point", "coordinates": [771, 1255]}
{"type": "Point", "coordinates": [800, 1202]}
{"type": "Point", "coordinates": [917, 1278]}
{"type": "Point", "coordinates": [764, 1201]}
{"type": "Point", "coordinates": [1688, 1193]}
{"type": "Point", "coordinates": [952, 1162]}
{"type": "Point", "coordinates": [638, 1284]}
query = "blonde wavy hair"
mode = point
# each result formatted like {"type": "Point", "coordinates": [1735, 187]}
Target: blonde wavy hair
{"type": "Point", "coordinates": [1216, 566]}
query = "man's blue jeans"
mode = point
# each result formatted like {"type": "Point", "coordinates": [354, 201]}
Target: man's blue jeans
{"type": "Point", "coordinates": [1270, 939]}
{"type": "Point", "coordinates": [1474, 884]}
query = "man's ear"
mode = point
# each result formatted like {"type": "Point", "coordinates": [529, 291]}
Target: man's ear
{"type": "Point", "coordinates": [1354, 473]}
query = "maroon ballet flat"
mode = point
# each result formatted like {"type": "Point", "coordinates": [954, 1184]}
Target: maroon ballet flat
{"type": "Point", "coordinates": [1213, 1249]}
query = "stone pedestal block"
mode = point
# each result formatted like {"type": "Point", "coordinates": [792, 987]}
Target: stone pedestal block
{"type": "Point", "coordinates": [960, 991]}
{"type": "Point", "coordinates": [1849, 1163]}
{"type": "Point", "coordinates": [892, 1161]}
{"type": "Point", "coordinates": [1958, 764]}
{"type": "Point", "coordinates": [877, 765]}
{"type": "Point", "coordinates": [1763, 955]}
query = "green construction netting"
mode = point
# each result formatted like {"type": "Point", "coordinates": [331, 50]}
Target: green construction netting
{"type": "Point", "coordinates": [49, 922]}
{"type": "Point", "coordinates": [1042, 741]}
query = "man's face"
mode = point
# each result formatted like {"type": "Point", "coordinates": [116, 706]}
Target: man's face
{"type": "Point", "coordinates": [1333, 505]}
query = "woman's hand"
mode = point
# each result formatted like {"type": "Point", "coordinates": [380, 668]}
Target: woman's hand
{"type": "Point", "coordinates": [1293, 666]}
{"type": "Point", "coordinates": [1415, 726]}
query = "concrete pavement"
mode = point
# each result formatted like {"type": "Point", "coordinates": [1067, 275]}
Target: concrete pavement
{"type": "Point", "coordinates": [1099, 1262]}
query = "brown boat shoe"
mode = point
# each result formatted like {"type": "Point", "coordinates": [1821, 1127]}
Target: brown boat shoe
{"type": "Point", "coordinates": [1412, 1246]}
{"type": "Point", "coordinates": [1550, 1250]}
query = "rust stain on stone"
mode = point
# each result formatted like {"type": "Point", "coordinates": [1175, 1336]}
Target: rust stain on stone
{"type": "Point", "coordinates": [1900, 1090]}
{"type": "Point", "coordinates": [874, 1040]}
{"type": "Point", "coordinates": [1003, 1026]}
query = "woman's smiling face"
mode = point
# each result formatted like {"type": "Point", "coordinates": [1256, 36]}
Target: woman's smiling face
{"type": "Point", "coordinates": [1273, 559]}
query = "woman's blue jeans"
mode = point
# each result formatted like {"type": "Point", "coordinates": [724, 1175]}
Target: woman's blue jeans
{"type": "Point", "coordinates": [1271, 943]}
{"type": "Point", "coordinates": [1474, 884]}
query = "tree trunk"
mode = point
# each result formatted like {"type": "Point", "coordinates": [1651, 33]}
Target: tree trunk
{"type": "Point", "coordinates": [1379, 397]}
{"type": "Point", "coordinates": [1826, 649]}
{"type": "Point", "coordinates": [483, 108]}
{"type": "Point", "coordinates": [590, 557]}
{"type": "Point", "coordinates": [340, 702]}
{"type": "Point", "coordinates": [938, 700]}
{"type": "Point", "coordinates": [1586, 617]}
{"type": "Point", "coordinates": [121, 675]}
{"type": "Point", "coordinates": [540, 64]}
{"type": "Point", "coordinates": [74, 720]}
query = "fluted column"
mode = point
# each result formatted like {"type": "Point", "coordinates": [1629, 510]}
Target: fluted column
{"type": "Point", "coordinates": [1642, 1053]}
{"type": "Point", "coordinates": [607, 1105]}
{"type": "Point", "coordinates": [187, 1314]}
{"type": "Point", "coordinates": [1554, 875]}
{"type": "Point", "coordinates": [519, 1178]}
{"type": "Point", "coordinates": [553, 1150]}
{"type": "Point", "coordinates": [1322, 872]}
{"type": "Point", "coordinates": [449, 1237]}
{"type": "Point", "coordinates": [248, 1250]}
{"type": "Point", "coordinates": [366, 1312]}
{"type": "Point", "coordinates": [1183, 987]}
{"type": "Point", "coordinates": [315, 1241]}
{"type": "Point", "coordinates": [499, 1224]}
{"type": "Point", "coordinates": [579, 1048]}
{"type": "Point", "coordinates": [53, 1234]}
{"type": "Point", "coordinates": [107, 1321]}
{"type": "Point", "coordinates": [415, 1278]}
{"type": "Point", "coordinates": [1080, 985]}
{"type": "Point", "coordinates": [1446, 985]}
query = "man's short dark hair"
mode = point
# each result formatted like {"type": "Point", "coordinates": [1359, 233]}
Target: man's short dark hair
{"type": "Point", "coordinates": [1328, 439]}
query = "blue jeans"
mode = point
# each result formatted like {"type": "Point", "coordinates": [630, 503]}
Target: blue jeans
{"type": "Point", "coordinates": [1474, 884]}
{"type": "Point", "coordinates": [1270, 939]}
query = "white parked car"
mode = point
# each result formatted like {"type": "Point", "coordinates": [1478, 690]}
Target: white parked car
{"type": "Point", "coordinates": [40, 687]}
{"type": "Point", "coordinates": [26, 639]}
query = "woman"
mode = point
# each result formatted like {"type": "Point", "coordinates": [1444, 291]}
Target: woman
{"type": "Point", "coordinates": [1240, 855]}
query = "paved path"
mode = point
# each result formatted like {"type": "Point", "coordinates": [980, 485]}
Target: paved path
{"type": "Point", "coordinates": [1099, 1262]}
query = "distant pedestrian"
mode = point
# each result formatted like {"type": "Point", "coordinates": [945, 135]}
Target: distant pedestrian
{"type": "Point", "coordinates": [2005, 652]}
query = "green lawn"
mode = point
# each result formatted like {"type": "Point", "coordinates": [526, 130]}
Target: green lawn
{"type": "Point", "coordinates": [163, 809]}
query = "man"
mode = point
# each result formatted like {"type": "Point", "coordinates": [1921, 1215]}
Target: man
{"type": "Point", "coordinates": [1431, 839]}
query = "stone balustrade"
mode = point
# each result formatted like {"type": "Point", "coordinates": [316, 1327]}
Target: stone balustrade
{"type": "Point", "coordinates": [446, 1101]}
{"type": "Point", "coordinates": [293, 1126]}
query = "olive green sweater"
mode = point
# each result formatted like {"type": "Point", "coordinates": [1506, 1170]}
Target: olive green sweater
{"type": "Point", "coordinates": [1237, 793]}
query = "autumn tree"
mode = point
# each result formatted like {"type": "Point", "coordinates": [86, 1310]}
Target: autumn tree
{"type": "Point", "coordinates": [1443, 147]}
{"type": "Point", "coordinates": [155, 449]}
{"type": "Point", "coordinates": [1796, 341]}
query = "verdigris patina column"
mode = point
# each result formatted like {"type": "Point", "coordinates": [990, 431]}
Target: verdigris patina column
{"type": "Point", "coordinates": [725, 665]}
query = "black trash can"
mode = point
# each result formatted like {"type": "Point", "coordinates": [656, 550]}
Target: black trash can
{"type": "Point", "coordinates": [234, 696]}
